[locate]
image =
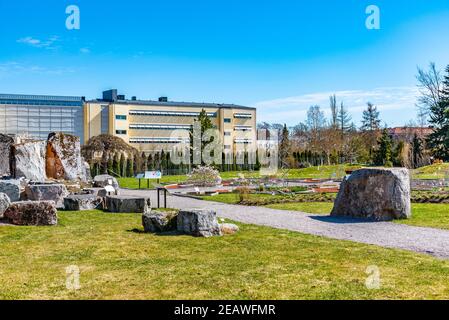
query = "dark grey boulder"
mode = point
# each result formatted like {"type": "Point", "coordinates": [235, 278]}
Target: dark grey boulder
{"type": "Point", "coordinates": [127, 204]}
{"type": "Point", "coordinates": [160, 221]}
{"type": "Point", "coordinates": [32, 213]}
{"type": "Point", "coordinates": [198, 223]}
{"type": "Point", "coordinates": [379, 194]}
{"type": "Point", "coordinates": [82, 202]}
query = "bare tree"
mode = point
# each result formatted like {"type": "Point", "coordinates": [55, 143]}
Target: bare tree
{"type": "Point", "coordinates": [430, 84]}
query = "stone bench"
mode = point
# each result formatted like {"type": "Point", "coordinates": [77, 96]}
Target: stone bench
{"type": "Point", "coordinates": [127, 204]}
{"type": "Point", "coordinates": [81, 202]}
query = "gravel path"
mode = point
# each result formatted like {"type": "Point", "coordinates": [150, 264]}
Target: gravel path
{"type": "Point", "coordinates": [385, 234]}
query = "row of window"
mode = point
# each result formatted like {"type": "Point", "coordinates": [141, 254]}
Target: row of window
{"type": "Point", "coordinates": [243, 115]}
{"type": "Point", "coordinates": [169, 113]}
{"type": "Point", "coordinates": [41, 103]}
{"type": "Point", "coordinates": [160, 127]}
{"type": "Point", "coordinates": [180, 140]}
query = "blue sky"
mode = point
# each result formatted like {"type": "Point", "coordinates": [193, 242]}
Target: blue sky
{"type": "Point", "coordinates": [280, 56]}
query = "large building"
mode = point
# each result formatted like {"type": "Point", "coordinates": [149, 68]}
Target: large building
{"type": "Point", "coordinates": [149, 125]}
{"type": "Point", "coordinates": [37, 116]}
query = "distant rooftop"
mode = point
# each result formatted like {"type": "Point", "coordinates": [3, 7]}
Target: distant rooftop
{"type": "Point", "coordinates": [112, 96]}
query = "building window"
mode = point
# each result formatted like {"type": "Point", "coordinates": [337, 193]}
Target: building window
{"type": "Point", "coordinates": [104, 119]}
{"type": "Point", "coordinates": [169, 113]}
{"type": "Point", "coordinates": [227, 147]}
{"type": "Point", "coordinates": [120, 117]}
{"type": "Point", "coordinates": [160, 127]}
{"type": "Point", "coordinates": [120, 131]}
{"type": "Point", "coordinates": [227, 120]}
{"type": "Point", "coordinates": [227, 134]}
{"type": "Point", "coordinates": [243, 115]}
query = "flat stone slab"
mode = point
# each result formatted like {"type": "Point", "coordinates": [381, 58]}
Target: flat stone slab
{"type": "Point", "coordinates": [127, 204]}
{"type": "Point", "coordinates": [82, 202]}
{"type": "Point", "coordinates": [11, 188]}
{"type": "Point", "coordinates": [47, 192]}
{"type": "Point", "coordinates": [198, 223]}
{"type": "Point", "coordinates": [32, 213]}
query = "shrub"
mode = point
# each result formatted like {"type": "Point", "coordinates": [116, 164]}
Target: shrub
{"type": "Point", "coordinates": [204, 176]}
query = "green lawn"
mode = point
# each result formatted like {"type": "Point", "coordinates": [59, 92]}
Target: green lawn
{"type": "Point", "coordinates": [118, 261]}
{"type": "Point", "coordinates": [436, 171]}
{"type": "Point", "coordinates": [322, 172]}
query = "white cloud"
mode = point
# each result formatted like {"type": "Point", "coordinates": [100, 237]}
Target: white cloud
{"type": "Point", "coordinates": [389, 100]}
{"type": "Point", "coordinates": [37, 43]}
{"type": "Point", "coordinates": [12, 68]}
{"type": "Point", "coordinates": [85, 50]}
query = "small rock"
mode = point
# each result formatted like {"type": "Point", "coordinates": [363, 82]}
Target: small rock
{"type": "Point", "coordinates": [127, 204]}
{"type": "Point", "coordinates": [198, 222]}
{"type": "Point", "coordinates": [229, 228]}
{"type": "Point", "coordinates": [104, 180]}
{"type": "Point", "coordinates": [81, 202]}
{"type": "Point", "coordinates": [5, 202]}
{"type": "Point", "coordinates": [32, 213]}
{"type": "Point", "coordinates": [160, 221]}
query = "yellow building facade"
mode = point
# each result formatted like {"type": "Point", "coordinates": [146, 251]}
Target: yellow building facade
{"type": "Point", "coordinates": [153, 126]}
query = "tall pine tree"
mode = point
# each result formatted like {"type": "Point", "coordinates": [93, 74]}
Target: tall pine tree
{"type": "Point", "coordinates": [438, 140]}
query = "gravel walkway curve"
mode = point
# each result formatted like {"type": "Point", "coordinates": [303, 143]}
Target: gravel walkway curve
{"type": "Point", "coordinates": [385, 234]}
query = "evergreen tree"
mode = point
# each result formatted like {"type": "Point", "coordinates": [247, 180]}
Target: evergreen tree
{"type": "Point", "coordinates": [205, 124]}
{"type": "Point", "coordinates": [122, 171]}
{"type": "Point", "coordinates": [344, 119]}
{"type": "Point", "coordinates": [110, 165]}
{"type": "Point", "coordinates": [284, 146]}
{"type": "Point", "coordinates": [417, 151]}
{"type": "Point", "coordinates": [144, 162]}
{"type": "Point", "coordinates": [130, 166]}
{"type": "Point", "coordinates": [383, 155]}
{"type": "Point", "coordinates": [116, 165]}
{"type": "Point", "coordinates": [438, 140]}
{"type": "Point", "coordinates": [370, 118]}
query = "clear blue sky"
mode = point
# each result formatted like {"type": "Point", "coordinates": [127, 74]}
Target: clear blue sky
{"type": "Point", "coordinates": [280, 56]}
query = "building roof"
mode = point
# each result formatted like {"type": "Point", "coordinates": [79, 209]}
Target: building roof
{"type": "Point", "coordinates": [174, 104]}
{"type": "Point", "coordinates": [40, 99]}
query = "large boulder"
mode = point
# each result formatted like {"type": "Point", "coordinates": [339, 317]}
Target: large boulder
{"type": "Point", "coordinates": [375, 193]}
{"type": "Point", "coordinates": [11, 188]}
{"type": "Point", "coordinates": [81, 202]}
{"type": "Point", "coordinates": [160, 221]}
{"type": "Point", "coordinates": [127, 204]}
{"type": "Point", "coordinates": [32, 213]}
{"type": "Point", "coordinates": [29, 160]}
{"type": "Point", "coordinates": [5, 202]}
{"type": "Point", "coordinates": [63, 157]}
{"type": "Point", "coordinates": [47, 192]}
{"type": "Point", "coordinates": [6, 143]}
{"type": "Point", "coordinates": [104, 180]}
{"type": "Point", "coordinates": [198, 223]}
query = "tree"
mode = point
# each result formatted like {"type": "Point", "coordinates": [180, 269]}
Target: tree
{"type": "Point", "coordinates": [205, 124]}
{"type": "Point", "coordinates": [438, 140]}
{"type": "Point", "coordinates": [344, 119]}
{"type": "Point", "coordinates": [417, 151]}
{"type": "Point", "coordinates": [430, 84]}
{"type": "Point", "coordinates": [116, 165]}
{"type": "Point", "coordinates": [284, 146]}
{"type": "Point", "coordinates": [370, 118]}
{"type": "Point", "coordinates": [334, 111]}
{"type": "Point", "coordinates": [110, 165]}
{"type": "Point", "coordinates": [122, 171]}
{"type": "Point", "coordinates": [383, 154]}
{"type": "Point", "coordinates": [130, 166]}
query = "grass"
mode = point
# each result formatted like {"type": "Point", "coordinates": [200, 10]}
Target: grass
{"type": "Point", "coordinates": [118, 261]}
{"type": "Point", "coordinates": [435, 171]}
{"type": "Point", "coordinates": [321, 172]}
